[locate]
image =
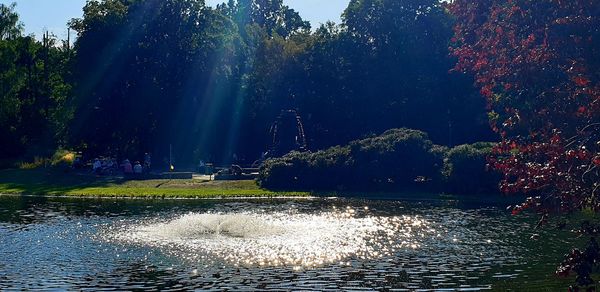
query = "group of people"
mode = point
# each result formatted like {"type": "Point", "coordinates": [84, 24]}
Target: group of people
{"type": "Point", "coordinates": [104, 166]}
{"type": "Point", "coordinates": [110, 166]}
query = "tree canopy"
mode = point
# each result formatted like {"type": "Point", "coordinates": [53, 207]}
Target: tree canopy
{"type": "Point", "coordinates": [34, 89]}
{"type": "Point", "coordinates": [209, 82]}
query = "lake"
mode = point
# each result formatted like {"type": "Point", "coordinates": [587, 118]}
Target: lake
{"type": "Point", "coordinates": [276, 244]}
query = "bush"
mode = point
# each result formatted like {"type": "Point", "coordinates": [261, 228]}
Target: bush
{"type": "Point", "coordinates": [466, 170]}
{"type": "Point", "coordinates": [397, 157]}
{"type": "Point", "coordinates": [392, 160]}
{"type": "Point", "coordinates": [306, 170]}
{"type": "Point", "coordinates": [61, 158]}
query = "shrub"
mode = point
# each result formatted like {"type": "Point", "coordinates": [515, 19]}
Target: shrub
{"type": "Point", "coordinates": [466, 169]}
{"type": "Point", "coordinates": [61, 158]}
{"type": "Point", "coordinates": [397, 157]}
{"type": "Point", "coordinates": [38, 162]}
{"type": "Point", "coordinates": [323, 170]}
{"type": "Point", "coordinates": [393, 160]}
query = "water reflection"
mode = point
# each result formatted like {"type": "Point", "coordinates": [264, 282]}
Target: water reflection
{"type": "Point", "coordinates": [262, 245]}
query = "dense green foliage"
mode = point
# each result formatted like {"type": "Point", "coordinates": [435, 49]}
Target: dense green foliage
{"type": "Point", "coordinates": [34, 90]}
{"type": "Point", "coordinates": [399, 159]}
{"type": "Point", "coordinates": [466, 170]}
{"type": "Point", "coordinates": [386, 66]}
{"type": "Point", "coordinates": [210, 81]}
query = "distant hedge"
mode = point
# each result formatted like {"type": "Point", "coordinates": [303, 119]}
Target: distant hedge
{"type": "Point", "coordinates": [466, 171]}
{"type": "Point", "coordinates": [393, 160]}
{"type": "Point", "coordinates": [399, 159]}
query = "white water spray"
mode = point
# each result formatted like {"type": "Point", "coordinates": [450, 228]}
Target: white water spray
{"type": "Point", "coordinates": [279, 238]}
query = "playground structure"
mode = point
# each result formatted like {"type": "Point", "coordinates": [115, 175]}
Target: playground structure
{"type": "Point", "coordinates": [287, 134]}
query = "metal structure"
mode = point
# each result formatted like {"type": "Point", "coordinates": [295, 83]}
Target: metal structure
{"type": "Point", "coordinates": [287, 134]}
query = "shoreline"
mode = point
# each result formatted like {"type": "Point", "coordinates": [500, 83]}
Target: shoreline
{"type": "Point", "coordinates": [170, 198]}
{"type": "Point", "coordinates": [502, 200]}
{"type": "Point", "coordinates": [53, 183]}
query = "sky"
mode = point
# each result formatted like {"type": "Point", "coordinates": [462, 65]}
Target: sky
{"type": "Point", "coordinates": [53, 15]}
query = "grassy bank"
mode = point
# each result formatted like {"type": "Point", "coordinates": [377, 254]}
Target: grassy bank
{"type": "Point", "coordinates": [51, 182]}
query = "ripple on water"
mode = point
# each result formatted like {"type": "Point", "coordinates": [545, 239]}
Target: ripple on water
{"type": "Point", "coordinates": [292, 245]}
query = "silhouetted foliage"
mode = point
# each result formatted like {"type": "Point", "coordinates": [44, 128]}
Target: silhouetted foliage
{"type": "Point", "coordinates": [386, 66]}
{"type": "Point", "coordinates": [399, 159]}
{"type": "Point", "coordinates": [208, 83]}
{"type": "Point", "coordinates": [391, 161]}
{"type": "Point", "coordinates": [467, 172]}
{"type": "Point", "coordinates": [211, 81]}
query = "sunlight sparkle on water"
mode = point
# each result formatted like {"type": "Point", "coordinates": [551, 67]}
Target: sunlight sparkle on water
{"type": "Point", "coordinates": [278, 239]}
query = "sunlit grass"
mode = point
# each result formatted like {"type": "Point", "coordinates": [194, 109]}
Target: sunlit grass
{"type": "Point", "coordinates": [51, 182]}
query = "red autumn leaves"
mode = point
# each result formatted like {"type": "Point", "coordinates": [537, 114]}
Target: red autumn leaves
{"type": "Point", "coordinates": [538, 65]}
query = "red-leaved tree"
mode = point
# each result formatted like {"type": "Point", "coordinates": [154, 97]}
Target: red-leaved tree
{"type": "Point", "coordinates": [538, 64]}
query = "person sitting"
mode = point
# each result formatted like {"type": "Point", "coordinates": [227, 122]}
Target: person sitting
{"type": "Point", "coordinates": [110, 164]}
{"type": "Point", "coordinates": [127, 167]}
{"type": "Point", "coordinates": [137, 168]}
{"type": "Point", "coordinates": [97, 166]}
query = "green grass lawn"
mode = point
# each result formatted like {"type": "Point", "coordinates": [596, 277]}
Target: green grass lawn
{"type": "Point", "coordinates": [53, 182]}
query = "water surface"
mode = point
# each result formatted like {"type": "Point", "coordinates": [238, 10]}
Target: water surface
{"type": "Point", "coordinates": [319, 244]}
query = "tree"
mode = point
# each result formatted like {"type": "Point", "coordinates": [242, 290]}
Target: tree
{"type": "Point", "coordinates": [537, 62]}
{"type": "Point", "coordinates": [210, 82]}
{"type": "Point", "coordinates": [271, 15]}
{"type": "Point", "coordinates": [387, 66]}
{"type": "Point", "coordinates": [146, 68]}
{"type": "Point", "coordinates": [33, 90]}
{"type": "Point", "coordinates": [10, 27]}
